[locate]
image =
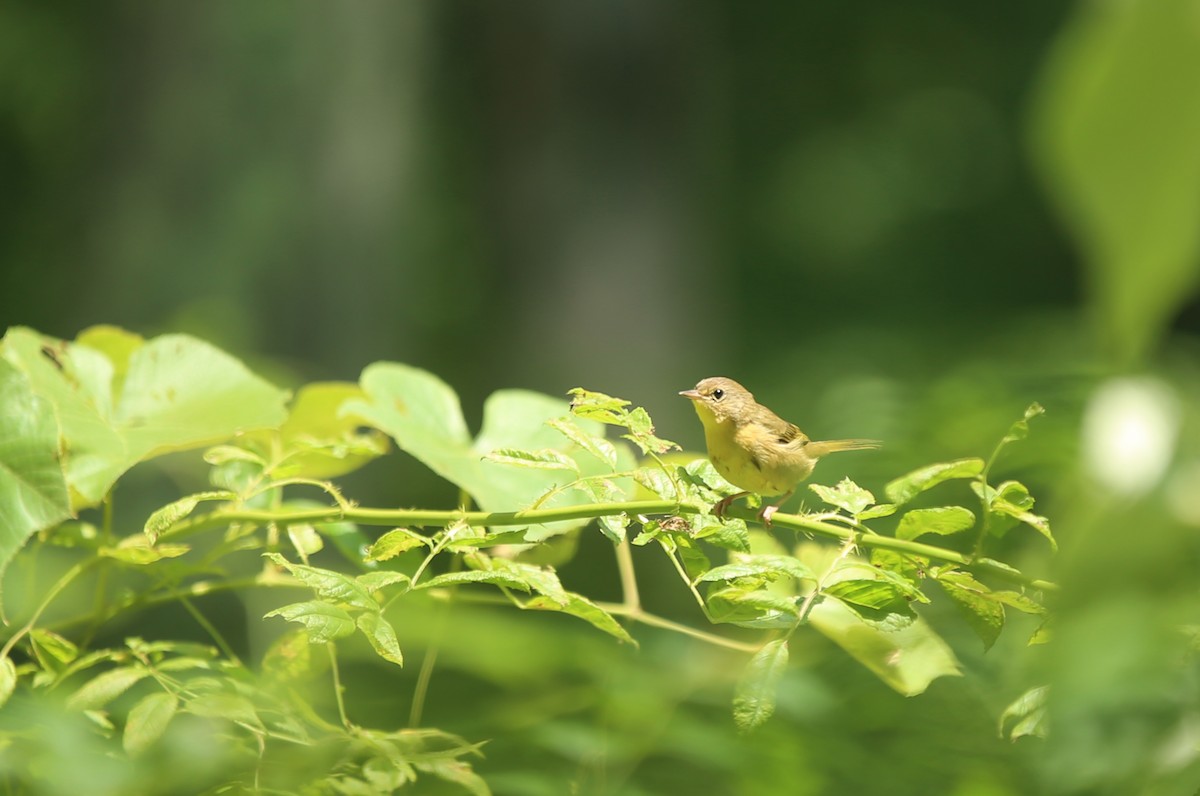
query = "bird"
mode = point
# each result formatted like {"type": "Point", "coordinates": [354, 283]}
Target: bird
{"type": "Point", "coordinates": [755, 449]}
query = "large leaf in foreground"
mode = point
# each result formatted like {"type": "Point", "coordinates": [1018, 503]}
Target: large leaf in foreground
{"type": "Point", "coordinates": [167, 394]}
{"type": "Point", "coordinates": [33, 492]}
{"type": "Point", "coordinates": [902, 651]}
{"type": "Point", "coordinates": [423, 415]}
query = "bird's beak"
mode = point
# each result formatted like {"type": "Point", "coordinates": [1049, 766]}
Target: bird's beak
{"type": "Point", "coordinates": [695, 396]}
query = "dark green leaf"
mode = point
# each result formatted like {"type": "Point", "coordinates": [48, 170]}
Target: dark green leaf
{"type": "Point", "coordinates": [754, 697]}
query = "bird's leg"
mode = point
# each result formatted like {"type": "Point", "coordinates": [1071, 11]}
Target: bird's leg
{"type": "Point", "coordinates": [723, 504]}
{"type": "Point", "coordinates": [769, 511]}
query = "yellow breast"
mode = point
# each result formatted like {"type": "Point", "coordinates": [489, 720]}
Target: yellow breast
{"type": "Point", "coordinates": [749, 462]}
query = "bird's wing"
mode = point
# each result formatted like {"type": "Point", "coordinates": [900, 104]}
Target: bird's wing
{"type": "Point", "coordinates": [784, 432]}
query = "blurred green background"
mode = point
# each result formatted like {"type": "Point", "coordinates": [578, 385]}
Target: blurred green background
{"type": "Point", "coordinates": [903, 221]}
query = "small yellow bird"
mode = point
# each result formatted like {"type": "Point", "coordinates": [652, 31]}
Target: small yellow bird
{"type": "Point", "coordinates": [755, 449]}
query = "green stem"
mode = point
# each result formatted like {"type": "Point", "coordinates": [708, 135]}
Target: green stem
{"type": "Point", "coordinates": [337, 683]}
{"type": "Point", "coordinates": [424, 517]}
{"type": "Point", "coordinates": [55, 590]}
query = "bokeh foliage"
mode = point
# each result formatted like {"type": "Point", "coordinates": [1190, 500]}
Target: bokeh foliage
{"type": "Point", "coordinates": [891, 221]}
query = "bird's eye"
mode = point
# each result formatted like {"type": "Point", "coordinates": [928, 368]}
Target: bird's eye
{"type": "Point", "coordinates": [718, 394]}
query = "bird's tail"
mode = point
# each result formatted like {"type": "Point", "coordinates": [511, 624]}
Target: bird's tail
{"type": "Point", "coordinates": [818, 449]}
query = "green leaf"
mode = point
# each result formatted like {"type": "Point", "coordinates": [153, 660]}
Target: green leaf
{"type": "Point", "coordinates": [585, 609]}
{"type": "Point", "coordinates": [148, 720]}
{"type": "Point", "coordinates": [382, 636]}
{"type": "Point", "coordinates": [324, 622]}
{"type": "Point", "coordinates": [105, 687]}
{"type": "Point", "coordinates": [599, 447]}
{"type": "Point", "coordinates": [321, 440]}
{"type": "Point", "coordinates": [1020, 429]}
{"type": "Point", "coordinates": [173, 512]}
{"type": "Point", "coordinates": [33, 491]}
{"type": "Point", "coordinates": [754, 697]}
{"type": "Point", "coordinates": [289, 659]}
{"type": "Point", "coordinates": [545, 459]}
{"type": "Point", "coordinates": [458, 773]}
{"type": "Point", "coordinates": [906, 655]}
{"type": "Point", "coordinates": [177, 393]}
{"type": "Point", "coordinates": [613, 526]}
{"type": "Point", "coordinates": [881, 510]}
{"type": "Point", "coordinates": [50, 643]}
{"type": "Point", "coordinates": [752, 607]}
{"type": "Point", "coordinates": [393, 543]}
{"type": "Point", "coordinates": [597, 406]}
{"type": "Point", "coordinates": [422, 414]}
{"type": "Point", "coordinates": [510, 580]}
{"type": "Point", "coordinates": [757, 565]}
{"type": "Point", "coordinates": [907, 487]}
{"type": "Point", "coordinates": [846, 495]}
{"type": "Point", "coordinates": [867, 592]}
{"type": "Point", "coordinates": [1028, 714]}
{"type": "Point", "coordinates": [8, 679]}
{"type": "Point", "coordinates": [305, 539]}
{"type": "Point", "coordinates": [656, 482]}
{"type": "Point", "coordinates": [984, 613]}
{"type": "Point", "coordinates": [139, 552]}
{"type": "Point", "coordinates": [1021, 602]}
{"type": "Point", "coordinates": [374, 581]}
{"type": "Point", "coordinates": [333, 586]}
{"type": "Point", "coordinates": [730, 534]}
{"type": "Point", "coordinates": [942, 521]}
{"type": "Point", "coordinates": [1114, 134]}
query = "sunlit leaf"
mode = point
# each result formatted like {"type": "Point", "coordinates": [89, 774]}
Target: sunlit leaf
{"type": "Point", "coordinates": [395, 542]}
{"type": "Point", "coordinates": [754, 697]}
{"type": "Point", "coordinates": [846, 495]}
{"type": "Point", "coordinates": [422, 414]}
{"type": "Point", "coordinates": [173, 512]}
{"type": "Point", "coordinates": [984, 613]}
{"type": "Point", "coordinates": [8, 679]}
{"type": "Point", "coordinates": [52, 644]}
{"type": "Point", "coordinates": [908, 655]}
{"type": "Point", "coordinates": [138, 551]}
{"type": "Point", "coordinates": [545, 459]}
{"type": "Point", "coordinates": [599, 447]}
{"type": "Point", "coordinates": [585, 609]}
{"type": "Point", "coordinates": [753, 565]}
{"type": "Point", "coordinates": [305, 539]}
{"type": "Point", "coordinates": [178, 393]}
{"type": "Point", "coordinates": [942, 521]}
{"type": "Point", "coordinates": [907, 487]}
{"type": "Point", "coordinates": [328, 584]}
{"type": "Point", "coordinates": [33, 491]}
{"type": "Point", "coordinates": [1027, 714]}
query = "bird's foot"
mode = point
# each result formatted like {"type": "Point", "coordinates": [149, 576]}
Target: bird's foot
{"type": "Point", "coordinates": [723, 504]}
{"type": "Point", "coordinates": [766, 514]}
